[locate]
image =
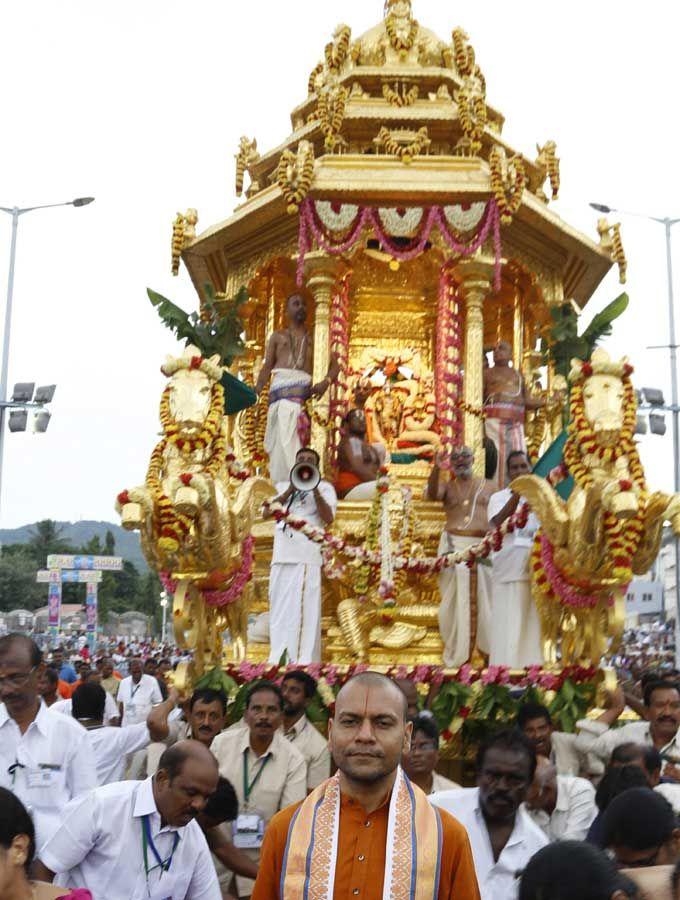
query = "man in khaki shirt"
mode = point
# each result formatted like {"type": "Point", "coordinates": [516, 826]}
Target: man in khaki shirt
{"type": "Point", "coordinates": [298, 688]}
{"type": "Point", "coordinates": [267, 771]}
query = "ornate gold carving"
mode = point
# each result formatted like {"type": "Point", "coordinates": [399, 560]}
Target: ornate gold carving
{"type": "Point", "coordinates": [402, 143]}
{"type": "Point", "coordinates": [508, 179]}
{"type": "Point", "coordinates": [400, 95]}
{"type": "Point", "coordinates": [246, 156]}
{"type": "Point", "coordinates": [610, 240]}
{"type": "Point", "coordinates": [183, 233]}
{"type": "Point", "coordinates": [548, 166]}
{"type": "Point", "coordinates": [294, 174]}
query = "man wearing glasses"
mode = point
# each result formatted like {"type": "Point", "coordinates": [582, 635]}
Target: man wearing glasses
{"type": "Point", "coordinates": [502, 834]}
{"type": "Point", "coordinates": [421, 760]}
{"type": "Point", "coordinates": [45, 758]}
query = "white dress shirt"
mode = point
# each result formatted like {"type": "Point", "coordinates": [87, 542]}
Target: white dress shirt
{"type": "Point", "coordinates": [52, 763]}
{"type": "Point", "coordinates": [291, 545]}
{"type": "Point", "coordinates": [66, 707]}
{"type": "Point", "coordinates": [574, 811]}
{"type": "Point", "coordinates": [440, 783]}
{"type": "Point", "coordinates": [314, 747]}
{"type": "Point", "coordinates": [137, 699]}
{"type": "Point", "coordinates": [111, 746]}
{"type": "Point", "coordinates": [99, 847]}
{"type": "Point", "coordinates": [497, 879]}
{"type": "Point", "coordinates": [596, 737]}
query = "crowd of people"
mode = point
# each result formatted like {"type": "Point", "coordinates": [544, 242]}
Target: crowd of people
{"type": "Point", "coordinates": [123, 790]}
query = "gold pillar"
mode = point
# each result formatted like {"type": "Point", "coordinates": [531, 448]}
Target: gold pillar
{"type": "Point", "coordinates": [517, 329]}
{"type": "Point", "coordinates": [475, 277]}
{"type": "Point", "coordinates": [322, 274]}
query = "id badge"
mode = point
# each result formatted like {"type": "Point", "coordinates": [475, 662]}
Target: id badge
{"type": "Point", "coordinates": [248, 831]}
{"type": "Point", "coordinates": [40, 778]}
{"type": "Point", "coordinates": [130, 709]}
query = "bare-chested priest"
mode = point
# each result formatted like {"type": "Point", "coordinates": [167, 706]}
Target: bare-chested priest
{"type": "Point", "coordinates": [358, 461]}
{"type": "Point", "coordinates": [506, 402]}
{"type": "Point", "coordinates": [288, 361]}
{"type": "Point", "coordinates": [465, 500]}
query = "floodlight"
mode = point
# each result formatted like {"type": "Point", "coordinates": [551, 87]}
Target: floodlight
{"type": "Point", "coordinates": [45, 393]}
{"type": "Point", "coordinates": [657, 423]}
{"type": "Point", "coordinates": [23, 391]}
{"type": "Point", "coordinates": [83, 201]}
{"type": "Point", "coordinates": [641, 425]}
{"type": "Point", "coordinates": [638, 396]}
{"type": "Point", "coordinates": [653, 396]}
{"type": "Point", "coordinates": [41, 420]}
{"type": "Point", "coordinates": [18, 419]}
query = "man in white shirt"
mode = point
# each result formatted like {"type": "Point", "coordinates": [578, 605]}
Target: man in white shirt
{"type": "Point", "coordinates": [139, 840]}
{"type": "Point", "coordinates": [423, 757]}
{"type": "Point", "coordinates": [298, 689]}
{"type": "Point", "coordinates": [111, 745]}
{"type": "Point", "coordinates": [267, 771]}
{"type": "Point", "coordinates": [502, 835]}
{"type": "Point", "coordinates": [295, 576]}
{"type": "Point", "coordinates": [45, 758]}
{"type": "Point", "coordinates": [137, 694]}
{"type": "Point", "coordinates": [563, 806]}
{"type": "Point", "coordinates": [111, 714]}
{"type": "Point", "coordinates": [515, 626]}
{"type": "Point", "coordinates": [662, 705]}
{"type": "Point", "coordinates": [535, 723]}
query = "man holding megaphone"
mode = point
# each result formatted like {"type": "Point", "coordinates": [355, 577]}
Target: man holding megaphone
{"type": "Point", "coordinates": [295, 576]}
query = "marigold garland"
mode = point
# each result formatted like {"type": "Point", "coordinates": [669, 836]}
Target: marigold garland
{"type": "Point", "coordinates": [508, 179]}
{"type": "Point", "coordinates": [294, 174]}
{"type": "Point", "coordinates": [405, 152]}
{"type": "Point", "coordinates": [331, 113]}
{"type": "Point", "coordinates": [400, 98]}
{"type": "Point", "coordinates": [398, 41]}
{"type": "Point", "coordinates": [337, 50]}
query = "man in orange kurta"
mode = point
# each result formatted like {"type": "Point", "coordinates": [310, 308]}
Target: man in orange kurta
{"type": "Point", "coordinates": [367, 737]}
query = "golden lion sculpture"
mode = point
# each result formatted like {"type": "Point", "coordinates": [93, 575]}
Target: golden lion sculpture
{"type": "Point", "coordinates": [194, 515]}
{"type": "Point", "coordinates": [589, 548]}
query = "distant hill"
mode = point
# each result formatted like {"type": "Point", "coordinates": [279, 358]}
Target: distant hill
{"type": "Point", "coordinates": [79, 533]}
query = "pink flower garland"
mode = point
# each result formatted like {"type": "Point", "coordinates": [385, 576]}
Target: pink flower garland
{"type": "Point", "coordinates": [311, 228]}
{"type": "Point", "coordinates": [567, 594]}
{"type": "Point", "coordinates": [236, 587]}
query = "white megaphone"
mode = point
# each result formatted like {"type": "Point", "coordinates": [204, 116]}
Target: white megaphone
{"type": "Point", "coordinates": [305, 477]}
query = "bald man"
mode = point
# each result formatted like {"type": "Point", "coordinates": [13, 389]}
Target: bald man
{"type": "Point", "coordinates": [562, 805]}
{"type": "Point", "coordinates": [140, 840]}
{"type": "Point", "coordinates": [506, 402]}
{"type": "Point", "coordinates": [339, 837]}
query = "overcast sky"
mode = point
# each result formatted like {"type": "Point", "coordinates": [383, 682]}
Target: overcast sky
{"type": "Point", "coordinates": [141, 105]}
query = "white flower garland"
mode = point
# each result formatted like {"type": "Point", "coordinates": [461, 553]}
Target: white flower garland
{"type": "Point", "coordinates": [339, 220]}
{"type": "Point", "coordinates": [400, 221]}
{"type": "Point", "coordinates": [386, 589]}
{"type": "Point", "coordinates": [464, 219]}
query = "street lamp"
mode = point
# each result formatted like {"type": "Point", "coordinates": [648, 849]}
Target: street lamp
{"type": "Point", "coordinates": [674, 407]}
{"type": "Point", "coordinates": [15, 212]}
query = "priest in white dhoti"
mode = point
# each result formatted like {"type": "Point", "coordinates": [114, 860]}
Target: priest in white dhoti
{"type": "Point", "coordinates": [295, 575]}
{"type": "Point", "coordinates": [288, 362]}
{"type": "Point", "coordinates": [516, 628]}
{"type": "Point", "coordinates": [464, 626]}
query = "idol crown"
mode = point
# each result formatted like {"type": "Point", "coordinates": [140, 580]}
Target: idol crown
{"type": "Point", "coordinates": [600, 363]}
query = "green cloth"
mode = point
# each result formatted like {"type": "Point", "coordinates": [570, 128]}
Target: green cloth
{"type": "Point", "coordinates": [552, 457]}
{"type": "Point", "coordinates": [237, 394]}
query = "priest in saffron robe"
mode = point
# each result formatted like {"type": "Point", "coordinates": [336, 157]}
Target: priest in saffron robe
{"type": "Point", "coordinates": [367, 831]}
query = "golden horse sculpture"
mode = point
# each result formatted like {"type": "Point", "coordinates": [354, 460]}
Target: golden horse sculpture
{"type": "Point", "coordinates": [588, 548]}
{"type": "Point", "coordinates": [195, 523]}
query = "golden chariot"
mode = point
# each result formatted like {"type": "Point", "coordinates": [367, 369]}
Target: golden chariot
{"type": "Point", "coordinates": [420, 238]}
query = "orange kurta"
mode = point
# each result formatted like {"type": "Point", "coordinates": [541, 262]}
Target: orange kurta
{"type": "Point", "coordinates": [360, 868]}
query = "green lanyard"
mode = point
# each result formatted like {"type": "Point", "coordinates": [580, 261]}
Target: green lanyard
{"type": "Point", "coordinates": [248, 788]}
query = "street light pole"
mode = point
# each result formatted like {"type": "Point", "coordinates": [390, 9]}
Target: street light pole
{"type": "Point", "coordinates": [675, 409]}
{"type": "Point", "coordinates": [15, 212]}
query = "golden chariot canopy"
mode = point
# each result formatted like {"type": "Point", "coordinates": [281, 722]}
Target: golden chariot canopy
{"type": "Point", "coordinates": [421, 238]}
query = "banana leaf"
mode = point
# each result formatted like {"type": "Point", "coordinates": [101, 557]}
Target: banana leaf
{"type": "Point", "coordinates": [601, 325]}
